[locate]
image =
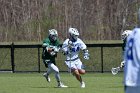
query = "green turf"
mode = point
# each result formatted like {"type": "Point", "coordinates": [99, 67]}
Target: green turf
{"type": "Point", "coordinates": [35, 83]}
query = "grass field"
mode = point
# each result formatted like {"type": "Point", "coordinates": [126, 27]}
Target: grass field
{"type": "Point", "coordinates": [36, 83]}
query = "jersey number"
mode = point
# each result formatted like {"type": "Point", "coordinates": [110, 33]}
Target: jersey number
{"type": "Point", "coordinates": [75, 49]}
{"type": "Point", "coordinates": [130, 51]}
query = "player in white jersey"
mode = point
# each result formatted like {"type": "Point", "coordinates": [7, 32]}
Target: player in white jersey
{"type": "Point", "coordinates": [132, 63]}
{"type": "Point", "coordinates": [124, 36]}
{"type": "Point", "coordinates": [71, 48]}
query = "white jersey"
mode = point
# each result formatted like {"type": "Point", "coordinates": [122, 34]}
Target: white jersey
{"type": "Point", "coordinates": [77, 45]}
{"type": "Point", "coordinates": [132, 59]}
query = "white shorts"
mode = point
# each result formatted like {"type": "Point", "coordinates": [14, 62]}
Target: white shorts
{"type": "Point", "coordinates": [76, 64]}
{"type": "Point", "coordinates": [132, 89]}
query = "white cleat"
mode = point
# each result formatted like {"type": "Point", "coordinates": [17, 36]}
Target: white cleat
{"type": "Point", "coordinates": [47, 77]}
{"type": "Point", "coordinates": [61, 85]}
{"type": "Point", "coordinates": [83, 85]}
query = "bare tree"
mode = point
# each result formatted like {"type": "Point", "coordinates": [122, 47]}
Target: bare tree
{"type": "Point", "coordinates": [29, 20]}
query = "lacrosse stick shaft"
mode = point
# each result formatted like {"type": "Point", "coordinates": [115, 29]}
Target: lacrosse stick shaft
{"type": "Point", "coordinates": [70, 62]}
{"type": "Point", "coordinates": [70, 46]}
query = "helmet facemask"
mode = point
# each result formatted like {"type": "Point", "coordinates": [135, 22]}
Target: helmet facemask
{"type": "Point", "coordinates": [73, 37]}
{"type": "Point", "coordinates": [53, 35]}
{"type": "Point", "coordinates": [73, 34]}
{"type": "Point", "coordinates": [125, 34]}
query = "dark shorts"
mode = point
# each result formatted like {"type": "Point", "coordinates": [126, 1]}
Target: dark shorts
{"type": "Point", "coordinates": [46, 62]}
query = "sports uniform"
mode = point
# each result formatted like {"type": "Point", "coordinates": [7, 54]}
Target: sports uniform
{"type": "Point", "coordinates": [72, 58]}
{"type": "Point", "coordinates": [47, 57]}
{"type": "Point", "coordinates": [124, 36]}
{"type": "Point", "coordinates": [51, 47]}
{"type": "Point", "coordinates": [132, 63]}
{"type": "Point", "coordinates": [71, 48]}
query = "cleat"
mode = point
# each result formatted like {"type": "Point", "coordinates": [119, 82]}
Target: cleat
{"type": "Point", "coordinates": [83, 85]}
{"type": "Point", "coordinates": [61, 85]}
{"type": "Point", "coordinates": [47, 77]}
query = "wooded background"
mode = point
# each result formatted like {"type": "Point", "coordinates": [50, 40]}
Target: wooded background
{"type": "Point", "coordinates": [29, 20]}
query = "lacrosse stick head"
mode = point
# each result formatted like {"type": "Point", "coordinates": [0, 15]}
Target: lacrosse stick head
{"type": "Point", "coordinates": [115, 70]}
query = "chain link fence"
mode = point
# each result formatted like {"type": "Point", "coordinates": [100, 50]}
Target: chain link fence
{"type": "Point", "coordinates": [28, 58]}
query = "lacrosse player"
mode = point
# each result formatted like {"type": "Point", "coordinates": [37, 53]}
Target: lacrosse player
{"type": "Point", "coordinates": [132, 61]}
{"type": "Point", "coordinates": [124, 36]}
{"type": "Point", "coordinates": [71, 48]}
{"type": "Point", "coordinates": [50, 49]}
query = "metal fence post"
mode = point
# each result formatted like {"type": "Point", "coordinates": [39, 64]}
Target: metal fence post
{"type": "Point", "coordinates": [102, 63]}
{"type": "Point", "coordinates": [12, 58]}
{"type": "Point", "coordinates": [38, 59]}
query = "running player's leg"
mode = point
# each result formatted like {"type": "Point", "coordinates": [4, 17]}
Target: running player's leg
{"type": "Point", "coordinates": [57, 75]}
{"type": "Point", "coordinates": [80, 71]}
{"type": "Point", "coordinates": [49, 70]}
{"type": "Point", "coordinates": [77, 70]}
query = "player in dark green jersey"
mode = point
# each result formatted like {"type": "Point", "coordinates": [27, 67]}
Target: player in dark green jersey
{"type": "Point", "coordinates": [51, 47]}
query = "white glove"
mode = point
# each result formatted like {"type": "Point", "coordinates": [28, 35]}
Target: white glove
{"type": "Point", "coordinates": [56, 49]}
{"type": "Point", "coordinates": [52, 53]}
{"type": "Point", "coordinates": [86, 56]}
{"type": "Point", "coordinates": [122, 63]}
{"type": "Point", "coordinates": [70, 45]}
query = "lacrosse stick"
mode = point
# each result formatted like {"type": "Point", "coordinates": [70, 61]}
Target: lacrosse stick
{"type": "Point", "coordinates": [117, 69]}
{"type": "Point", "coordinates": [69, 52]}
{"type": "Point", "coordinates": [70, 46]}
{"type": "Point", "coordinates": [70, 63]}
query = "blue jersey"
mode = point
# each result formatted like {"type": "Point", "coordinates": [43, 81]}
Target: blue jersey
{"type": "Point", "coordinates": [132, 59]}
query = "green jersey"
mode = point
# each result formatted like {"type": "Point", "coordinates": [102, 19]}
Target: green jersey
{"type": "Point", "coordinates": [124, 43]}
{"type": "Point", "coordinates": [48, 43]}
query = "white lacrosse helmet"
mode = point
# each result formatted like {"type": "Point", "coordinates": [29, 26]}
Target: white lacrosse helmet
{"type": "Point", "coordinates": [125, 34]}
{"type": "Point", "coordinates": [53, 34]}
{"type": "Point", "coordinates": [73, 33]}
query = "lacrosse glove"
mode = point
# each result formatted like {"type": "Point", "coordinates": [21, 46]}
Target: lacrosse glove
{"type": "Point", "coordinates": [122, 63]}
{"type": "Point", "coordinates": [86, 54]}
